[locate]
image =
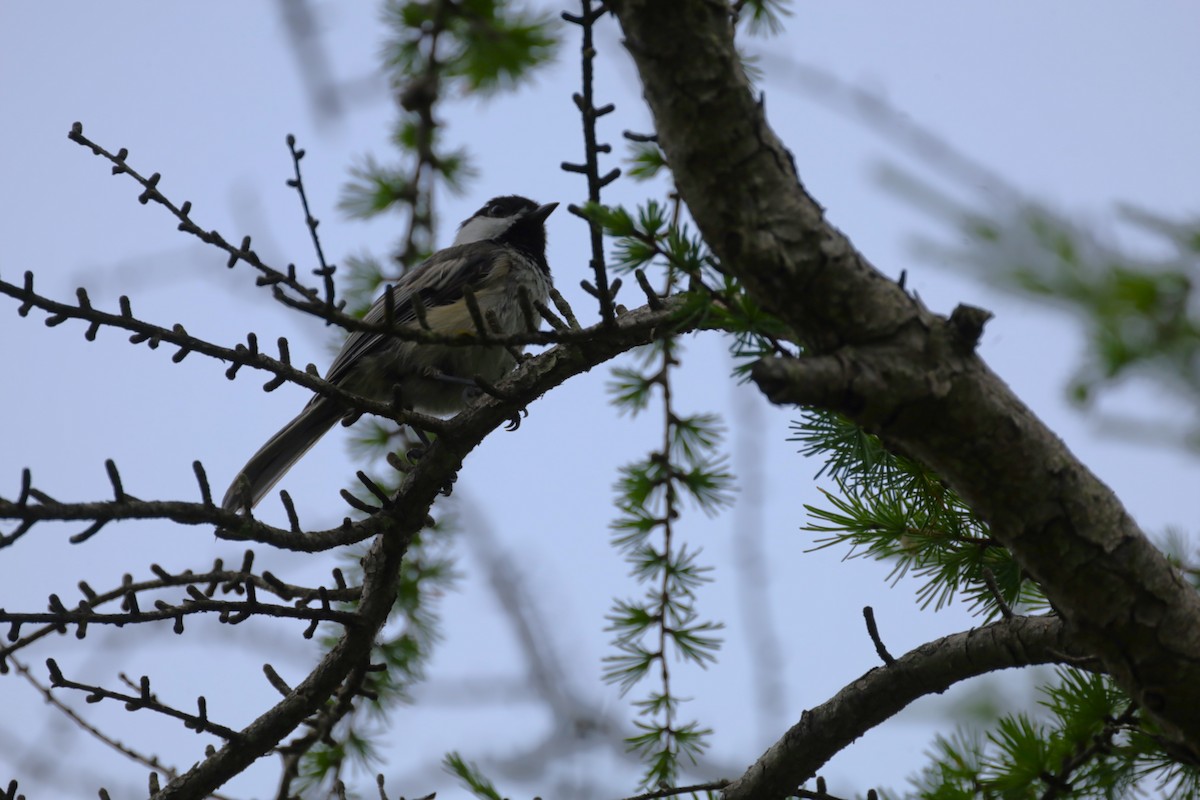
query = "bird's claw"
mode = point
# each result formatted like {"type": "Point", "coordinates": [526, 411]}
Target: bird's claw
{"type": "Point", "coordinates": [514, 421]}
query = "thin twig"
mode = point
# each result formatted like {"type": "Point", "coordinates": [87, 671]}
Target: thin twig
{"type": "Point", "coordinates": [47, 693]}
{"type": "Point", "coordinates": [873, 632]}
{"type": "Point", "coordinates": [270, 276]}
{"type": "Point", "coordinates": [218, 577]}
{"type": "Point", "coordinates": [325, 271]}
{"type": "Point", "coordinates": [675, 791]}
{"type": "Point", "coordinates": [989, 579]}
{"type": "Point", "coordinates": [592, 149]}
{"type": "Point", "coordinates": [145, 700]}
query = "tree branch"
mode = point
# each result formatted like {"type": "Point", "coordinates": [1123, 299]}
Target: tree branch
{"type": "Point", "coordinates": [150, 192]}
{"type": "Point", "coordinates": [535, 377]}
{"type": "Point", "coordinates": [380, 566]}
{"type": "Point", "coordinates": [932, 668]}
{"type": "Point", "coordinates": [393, 527]}
{"type": "Point", "coordinates": [241, 581]}
{"type": "Point", "coordinates": [145, 699]}
{"type": "Point", "coordinates": [931, 396]}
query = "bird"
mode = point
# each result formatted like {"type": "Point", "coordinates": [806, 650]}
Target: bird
{"type": "Point", "coordinates": [498, 252]}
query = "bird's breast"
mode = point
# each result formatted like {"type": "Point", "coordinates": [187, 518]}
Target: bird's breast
{"type": "Point", "coordinates": [500, 294]}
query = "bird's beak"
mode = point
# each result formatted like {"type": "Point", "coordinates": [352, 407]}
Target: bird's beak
{"type": "Point", "coordinates": [540, 213]}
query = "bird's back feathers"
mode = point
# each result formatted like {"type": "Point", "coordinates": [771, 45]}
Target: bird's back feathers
{"type": "Point", "coordinates": [500, 253]}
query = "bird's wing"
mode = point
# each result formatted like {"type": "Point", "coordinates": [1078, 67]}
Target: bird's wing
{"type": "Point", "coordinates": [438, 281]}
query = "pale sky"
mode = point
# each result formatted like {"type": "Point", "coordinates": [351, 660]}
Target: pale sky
{"type": "Point", "coordinates": [1082, 104]}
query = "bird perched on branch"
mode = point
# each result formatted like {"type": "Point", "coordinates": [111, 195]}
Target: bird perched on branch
{"type": "Point", "coordinates": [498, 252]}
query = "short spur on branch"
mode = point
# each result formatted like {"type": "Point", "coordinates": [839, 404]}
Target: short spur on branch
{"type": "Point", "coordinates": [498, 254]}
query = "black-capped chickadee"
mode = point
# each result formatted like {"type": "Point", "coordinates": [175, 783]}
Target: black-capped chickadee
{"type": "Point", "coordinates": [497, 251]}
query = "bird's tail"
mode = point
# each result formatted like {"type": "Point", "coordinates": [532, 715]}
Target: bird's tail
{"type": "Point", "coordinates": [276, 457]}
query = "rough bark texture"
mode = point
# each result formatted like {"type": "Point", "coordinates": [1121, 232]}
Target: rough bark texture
{"type": "Point", "coordinates": [911, 376]}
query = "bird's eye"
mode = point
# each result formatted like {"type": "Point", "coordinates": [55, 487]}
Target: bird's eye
{"type": "Point", "coordinates": [494, 210]}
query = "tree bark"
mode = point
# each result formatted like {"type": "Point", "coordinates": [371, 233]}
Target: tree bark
{"type": "Point", "coordinates": [906, 374]}
{"type": "Point", "coordinates": [929, 669]}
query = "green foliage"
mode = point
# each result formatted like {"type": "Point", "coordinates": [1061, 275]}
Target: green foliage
{"type": "Point", "coordinates": [755, 332]}
{"type": "Point", "coordinates": [646, 159]}
{"type": "Point", "coordinates": [891, 508]}
{"type": "Point", "coordinates": [763, 17]}
{"type": "Point", "coordinates": [662, 623]}
{"type": "Point", "coordinates": [1090, 743]}
{"type": "Point", "coordinates": [470, 777]}
{"type": "Point", "coordinates": [653, 232]}
{"type": "Point", "coordinates": [374, 188]}
{"type": "Point", "coordinates": [483, 45]}
{"type": "Point", "coordinates": [1139, 315]}
{"type": "Point", "coordinates": [718, 301]}
{"type": "Point", "coordinates": [647, 631]}
{"type": "Point", "coordinates": [1138, 307]}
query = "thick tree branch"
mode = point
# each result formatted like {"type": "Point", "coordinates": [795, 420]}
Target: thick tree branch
{"type": "Point", "coordinates": [929, 669]}
{"type": "Point", "coordinates": [379, 593]}
{"type": "Point", "coordinates": [912, 377]}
